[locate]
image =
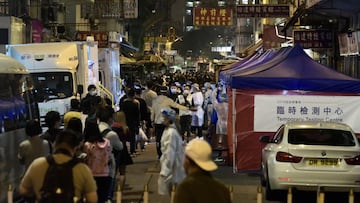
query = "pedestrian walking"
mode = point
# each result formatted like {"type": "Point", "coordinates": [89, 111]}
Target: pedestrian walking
{"type": "Point", "coordinates": [131, 107]}
{"type": "Point", "coordinates": [106, 117]}
{"type": "Point", "coordinates": [120, 127]}
{"type": "Point", "coordinates": [185, 99]}
{"type": "Point", "coordinates": [162, 102]}
{"type": "Point", "coordinates": [53, 122]}
{"type": "Point", "coordinates": [34, 146]}
{"type": "Point", "coordinates": [199, 186]}
{"type": "Point", "coordinates": [172, 158]}
{"type": "Point", "coordinates": [74, 111]}
{"type": "Point", "coordinates": [99, 159]}
{"type": "Point", "coordinates": [198, 116]}
{"type": "Point", "coordinates": [65, 146]}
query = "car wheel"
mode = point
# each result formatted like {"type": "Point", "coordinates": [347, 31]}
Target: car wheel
{"type": "Point", "coordinates": [272, 195]}
{"type": "Point", "coordinates": [262, 177]}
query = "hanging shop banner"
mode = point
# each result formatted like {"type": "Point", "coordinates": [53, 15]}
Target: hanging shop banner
{"type": "Point", "coordinates": [270, 111]}
{"type": "Point", "coordinates": [213, 16]}
{"type": "Point", "coordinates": [263, 11]}
{"type": "Point", "coordinates": [314, 38]}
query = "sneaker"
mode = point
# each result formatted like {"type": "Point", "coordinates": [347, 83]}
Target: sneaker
{"type": "Point", "coordinates": [142, 150]}
{"type": "Point", "coordinates": [219, 159]}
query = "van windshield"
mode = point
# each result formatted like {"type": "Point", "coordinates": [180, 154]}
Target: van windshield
{"type": "Point", "coordinates": [53, 85]}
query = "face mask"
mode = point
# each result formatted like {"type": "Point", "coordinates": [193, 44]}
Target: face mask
{"type": "Point", "coordinates": [173, 91]}
{"type": "Point", "coordinates": [186, 92]}
{"type": "Point", "coordinates": [92, 93]}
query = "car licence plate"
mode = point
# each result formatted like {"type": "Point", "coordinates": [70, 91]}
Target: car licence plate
{"type": "Point", "coordinates": [323, 162]}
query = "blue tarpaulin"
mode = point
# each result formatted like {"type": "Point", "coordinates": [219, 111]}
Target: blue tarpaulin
{"type": "Point", "coordinates": [293, 69]}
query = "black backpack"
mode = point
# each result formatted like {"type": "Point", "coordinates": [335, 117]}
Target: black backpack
{"type": "Point", "coordinates": [58, 183]}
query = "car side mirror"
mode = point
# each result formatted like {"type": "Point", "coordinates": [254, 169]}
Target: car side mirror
{"type": "Point", "coordinates": [265, 139]}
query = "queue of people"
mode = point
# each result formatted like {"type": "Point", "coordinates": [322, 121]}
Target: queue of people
{"type": "Point", "coordinates": [172, 114]}
{"type": "Point", "coordinates": [89, 138]}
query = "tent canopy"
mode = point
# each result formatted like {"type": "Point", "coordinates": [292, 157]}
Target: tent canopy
{"type": "Point", "coordinates": [293, 69]}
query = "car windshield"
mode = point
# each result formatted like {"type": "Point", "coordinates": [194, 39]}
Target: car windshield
{"type": "Point", "coordinates": [331, 137]}
{"type": "Point", "coordinates": [54, 85]}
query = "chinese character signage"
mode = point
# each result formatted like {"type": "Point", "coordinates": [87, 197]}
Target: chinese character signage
{"type": "Point", "coordinates": [313, 38]}
{"type": "Point", "coordinates": [100, 37]}
{"type": "Point", "coordinates": [213, 16]}
{"type": "Point", "coordinates": [130, 9]}
{"type": "Point", "coordinates": [106, 9]}
{"type": "Point", "coordinates": [271, 111]}
{"type": "Point", "coordinates": [263, 11]}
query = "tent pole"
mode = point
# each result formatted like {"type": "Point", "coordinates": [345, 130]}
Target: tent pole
{"type": "Point", "coordinates": [233, 129]}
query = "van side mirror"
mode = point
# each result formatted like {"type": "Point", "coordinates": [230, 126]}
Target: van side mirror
{"type": "Point", "coordinates": [80, 89]}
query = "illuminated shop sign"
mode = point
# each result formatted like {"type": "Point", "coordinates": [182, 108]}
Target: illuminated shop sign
{"type": "Point", "coordinates": [263, 11]}
{"type": "Point", "coordinates": [213, 17]}
{"type": "Point", "coordinates": [100, 37]}
{"type": "Point", "coordinates": [313, 38]}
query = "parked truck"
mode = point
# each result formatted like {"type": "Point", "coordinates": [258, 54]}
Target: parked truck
{"type": "Point", "coordinates": [60, 71]}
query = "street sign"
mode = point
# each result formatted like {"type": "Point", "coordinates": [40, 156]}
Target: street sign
{"type": "Point", "coordinates": [263, 11]}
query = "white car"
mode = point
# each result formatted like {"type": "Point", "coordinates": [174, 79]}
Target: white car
{"type": "Point", "coordinates": [309, 156]}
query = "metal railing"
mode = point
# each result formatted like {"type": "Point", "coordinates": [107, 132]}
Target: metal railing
{"type": "Point", "coordinates": [106, 92]}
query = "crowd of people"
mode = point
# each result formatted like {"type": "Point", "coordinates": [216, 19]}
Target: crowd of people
{"type": "Point", "coordinates": [176, 115]}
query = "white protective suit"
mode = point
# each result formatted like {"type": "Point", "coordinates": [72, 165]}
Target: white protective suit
{"type": "Point", "coordinates": [172, 159]}
{"type": "Point", "coordinates": [198, 115]}
{"type": "Point", "coordinates": [221, 108]}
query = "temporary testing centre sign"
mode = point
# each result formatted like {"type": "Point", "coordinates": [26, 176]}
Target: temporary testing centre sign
{"type": "Point", "coordinates": [270, 111]}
